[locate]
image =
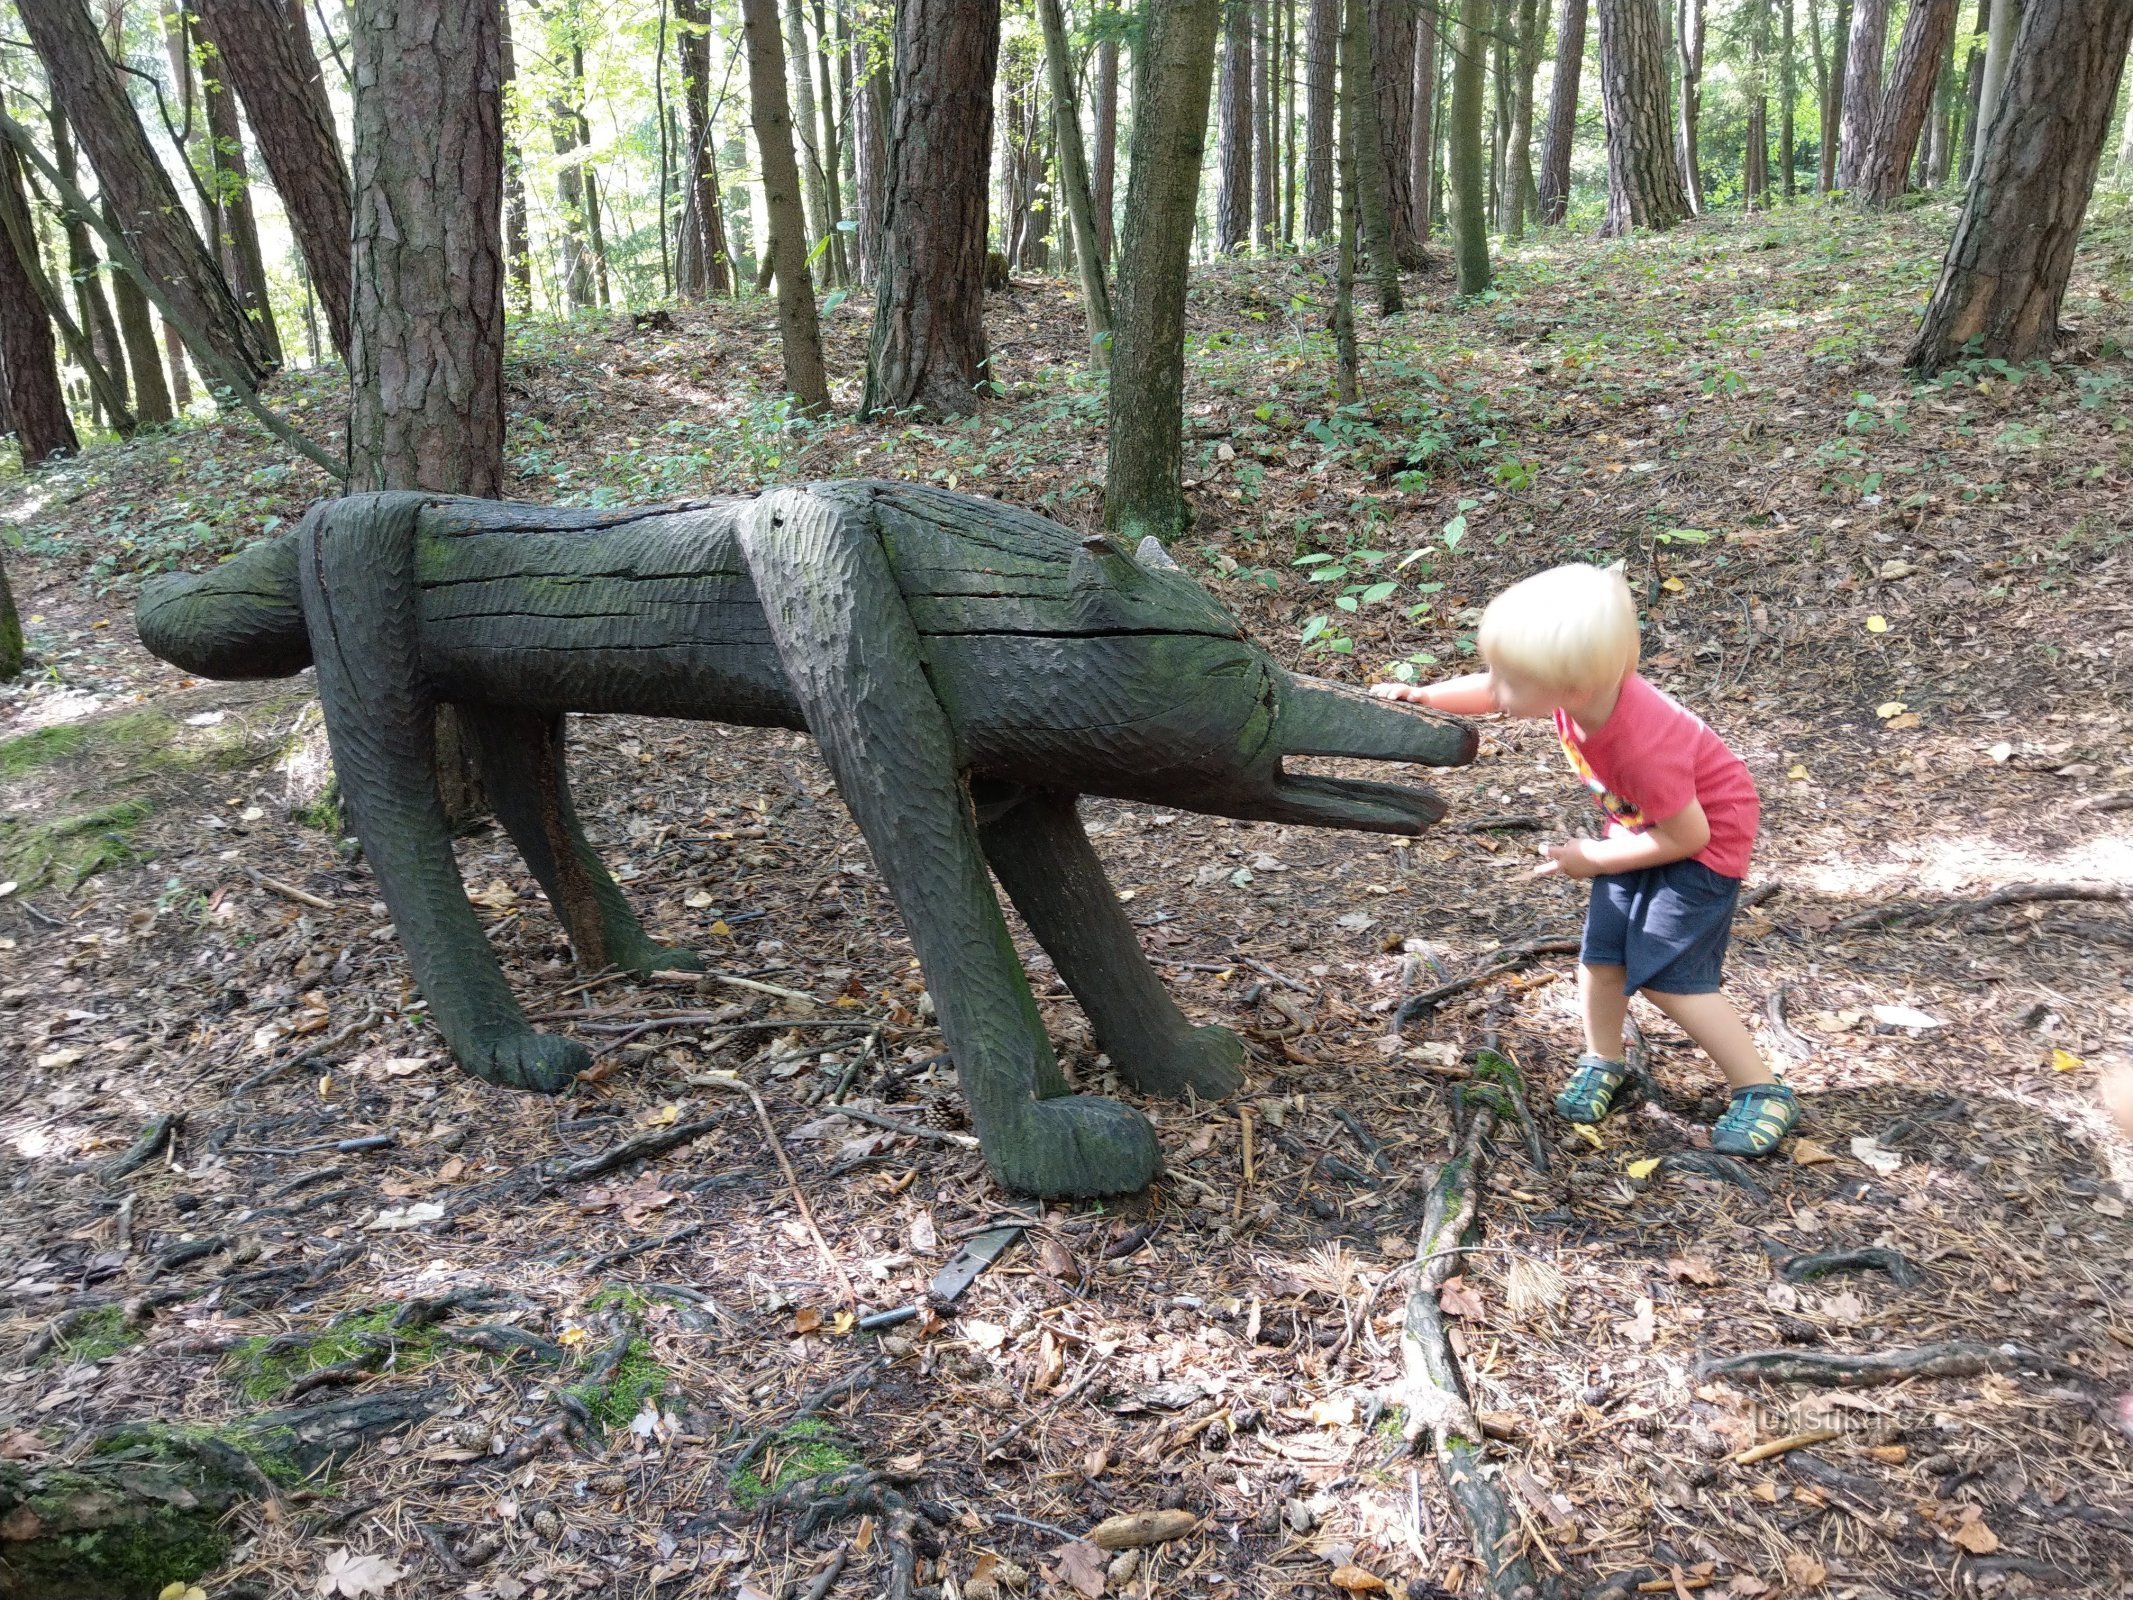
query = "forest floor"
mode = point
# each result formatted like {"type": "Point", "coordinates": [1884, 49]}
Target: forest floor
{"type": "Point", "coordinates": [1909, 606]}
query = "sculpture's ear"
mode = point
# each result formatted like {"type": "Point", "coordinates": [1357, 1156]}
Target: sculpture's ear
{"type": "Point", "coordinates": [1154, 557]}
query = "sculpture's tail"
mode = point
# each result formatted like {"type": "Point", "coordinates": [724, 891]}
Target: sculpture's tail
{"type": "Point", "coordinates": [243, 619]}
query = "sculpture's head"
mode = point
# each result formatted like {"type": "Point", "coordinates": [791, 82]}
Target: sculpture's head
{"type": "Point", "coordinates": [1158, 694]}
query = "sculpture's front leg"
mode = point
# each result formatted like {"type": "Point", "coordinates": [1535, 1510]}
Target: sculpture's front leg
{"type": "Point", "coordinates": [851, 656]}
{"type": "Point", "coordinates": [357, 568]}
{"type": "Point", "coordinates": [1043, 857]}
{"type": "Point", "coordinates": [522, 768]}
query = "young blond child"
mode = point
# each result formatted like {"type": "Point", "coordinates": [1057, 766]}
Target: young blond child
{"type": "Point", "coordinates": [1682, 815]}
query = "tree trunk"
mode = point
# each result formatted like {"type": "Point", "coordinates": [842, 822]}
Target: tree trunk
{"type": "Point", "coordinates": [426, 327]}
{"type": "Point", "coordinates": [181, 385]}
{"type": "Point", "coordinates": [1973, 92]}
{"type": "Point", "coordinates": [799, 333]}
{"type": "Point", "coordinates": [1464, 174]}
{"type": "Point", "coordinates": [11, 643]}
{"type": "Point", "coordinates": [1321, 72]}
{"type": "Point", "coordinates": [264, 52]}
{"type": "Point", "coordinates": [1840, 35]}
{"type": "Point", "coordinates": [1347, 368]}
{"type": "Point", "coordinates": [242, 262]}
{"type": "Point", "coordinates": [1373, 203]}
{"type": "Point", "coordinates": [1562, 113]}
{"type": "Point", "coordinates": [1689, 39]}
{"type": "Point", "coordinates": [1517, 197]}
{"type": "Point", "coordinates": [2000, 25]}
{"type": "Point", "coordinates": [1264, 151]}
{"type": "Point", "coordinates": [137, 331]}
{"type": "Point", "coordinates": [929, 315]}
{"type": "Point", "coordinates": [1500, 31]}
{"type": "Point", "coordinates": [807, 128]}
{"type": "Point", "coordinates": [2006, 269]}
{"type": "Point", "coordinates": [1885, 167]}
{"type": "Point", "coordinates": [1643, 179]}
{"type": "Point", "coordinates": [1422, 131]}
{"type": "Point", "coordinates": [518, 248]}
{"type": "Point", "coordinates": [1173, 71]}
{"type": "Point", "coordinates": [36, 404]}
{"type": "Point", "coordinates": [1755, 151]}
{"type": "Point", "coordinates": [98, 323]}
{"type": "Point", "coordinates": [1105, 178]}
{"type": "Point", "coordinates": [21, 237]}
{"type": "Point", "coordinates": [1862, 88]}
{"type": "Point", "coordinates": [87, 87]}
{"type": "Point", "coordinates": [870, 162]}
{"type": "Point", "coordinates": [1074, 179]}
{"type": "Point", "coordinates": [1394, 30]}
{"type": "Point", "coordinates": [1233, 197]}
{"type": "Point", "coordinates": [831, 150]}
{"type": "Point", "coordinates": [1788, 92]}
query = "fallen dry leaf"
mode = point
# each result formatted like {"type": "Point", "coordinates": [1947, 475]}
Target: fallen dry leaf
{"type": "Point", "coordinates": [1642, 1326]}
{"type": "Point", "coordinates": [1356, 1580]}
{"type": "Point", "coordinates": [1804, 1572]}
{"type": "Point", "coordinates": [1693, 1269]}
{"type": "Point", "coordinates": [1974, 1536]}
{"type": "Point", "coordinates": [1459, 1300]}
{"type": "Point", "coordinates": [1081, 1564]}
{"type": "Point", "coordinates": [347, 1573]}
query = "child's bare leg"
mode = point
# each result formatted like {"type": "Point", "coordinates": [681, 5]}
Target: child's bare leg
{"type": "Point", "coordinates": [1606, 1009]}
{"type": "Point", "coordinates": [1717, 1028]}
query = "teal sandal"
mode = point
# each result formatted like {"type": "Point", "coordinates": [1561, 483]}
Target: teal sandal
{"type": "Point", "coordinates": [1758, 1118]}
{"type": "Point", "coordinates": [1590, 1093]}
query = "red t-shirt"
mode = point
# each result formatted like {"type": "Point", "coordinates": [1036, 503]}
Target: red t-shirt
{"type": "Point", "coordinates": [1651, 757]}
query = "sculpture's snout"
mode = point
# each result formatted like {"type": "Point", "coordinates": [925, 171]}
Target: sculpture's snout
{"type": "Point", "coordinates": [1319, 718]}
{"type": "Point", "coordinates": [242, 619]}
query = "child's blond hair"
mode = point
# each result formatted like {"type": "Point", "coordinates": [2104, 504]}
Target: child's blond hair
{"type": "Point", "coordinates": [1572, 627]}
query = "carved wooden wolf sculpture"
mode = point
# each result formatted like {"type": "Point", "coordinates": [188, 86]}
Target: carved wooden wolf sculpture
{"type": "Point", "coordinates": [967, 669]}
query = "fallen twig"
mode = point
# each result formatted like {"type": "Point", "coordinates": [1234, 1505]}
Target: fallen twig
{"type": "Point", "coordinates": [1774, 1012]}
{"type": "Point", "coordinates": [1710, 1164]}
{"type": "Point", "coordinates": [874, 1119]}
{"type": "Point", "coordinates": [1873, 1258]}
{"type": "Point", "coordinates": [1914, 915]}
{"type": "Point", "coordinates": [162, 1131]}
{"type": "Point", "coordinates": [723, 1080]}
{"type": "Point", "coordinates": [1778, 1447]}
{"type": "Point", "coordinates": [1508, 959]}
{"type": "Point", "coordinates": [289, 891]}
{"type": "Point", "coordinates": [645, 1145]}
{"type": "Point", "coordinates": [1957, 1358]}
{"type": "Point", "coordinates": [305, 1057]}
{"type": "Point", "coordinates": [642, 1246]}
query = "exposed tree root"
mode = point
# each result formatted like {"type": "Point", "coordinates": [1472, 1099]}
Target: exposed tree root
{"type": "Point", "coordinates": [1803, 1269]}
{"type": "Point", "coordinates": [1958, 1358]}
{"type": "Point", "coordinates": [1914, 915]}
{"type": "Point", "coordinates": [1435, 1392]}
{"type": "Point", "coordinates": [1508, 959]}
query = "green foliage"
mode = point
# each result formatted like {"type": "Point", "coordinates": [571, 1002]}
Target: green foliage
{"type": "Point", "coordinates": [804, 1449]}
{"type": "Point", "coordinates": [614, 1401]}
{"type": "Point", "coordinates": [265, 1367]}
{"type": "Point", "coordinates": [94, 1335]}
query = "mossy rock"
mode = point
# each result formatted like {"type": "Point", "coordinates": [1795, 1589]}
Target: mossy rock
{"type": "Point", "coordinates": [808, 1448]}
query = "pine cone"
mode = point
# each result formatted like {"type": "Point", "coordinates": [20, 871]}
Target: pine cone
{"type": "Point", "coordinates": [946, 1114]}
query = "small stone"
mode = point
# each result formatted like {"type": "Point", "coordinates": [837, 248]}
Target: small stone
{"type": "Point", "coordinates": [1299, 1517]}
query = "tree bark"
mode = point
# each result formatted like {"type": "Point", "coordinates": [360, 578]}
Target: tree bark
{"type": "Point", "coordinates": [807, 128]}
{"type": "Point", "coordinates": [137, 331]}
{"type": "Point", "coordinates": [1074, 178]}
{"type": "Point", "coordinates": [1643, 179]}
{"type": "Point", "coordinates": [1517, 197]}
{"type": "Point", "coordinates": [1974, 91]}
{"type": "Point", "coordinates": [88, 88]}
{"type": "Point", "coordinates": [518, 248]}
{"type": "Point", "coordinates": [426, 324]}
{"type": "Point", "coordinates": [1264, 151]}
{"type": "Point", "coordinates": [929, 313]}
{"type": "Point", "coordinates": [98, 323]}
{"type": "Point", "coordinates": [21, 238]}
{"type": "Point", "coordinates": [1394, 31]}
{"type": "Point", "coordinates": [36, 404]}
{"type": "Point", "coordinates": [1755, 152]}
{"type": "Point", "coordinates": [831, 149]}
{"type": "Point", "coordinates": [2000, 26]}
{"type": "Point", "coordinates": [1173, 72]}
{"type": "Point", "coordinates": [1562, 113]}
{"type": "Point", "coordinates": [242, 262]}
{"type": "Point", "coordinates": [1103, 184]}
{"type": "Point", "coordinates": [1321, 72]}
{"type": "Point", "coordinates": [799, 333]}
{"type": "Point", "coordinates": [1689, 40]}
{"type": "Point", "coordinates": [870, 160]}
{"type": "Point", "coordinates": [1373, 202]}
{"type": "Point", "coordinates": [264, 49]}
{"type": "Point", "coordinates": [1788, 93]}
{"type": "Point", "coordinates": [1233, 196]}
{"type": "Point", "coordinates": [1422, 131]}
{"type": "Point", "coordinates": [1862, 88]}
{"type": "Point", "coordinates": [1464, 174]}
{"type": "Point", "coordinates": [1347, 367]}
{"type": "Point", "coordinates": [1885, 167]}
{"type": "Point", "coordinates": [1840, 35]}
{"type": "Point", "coordinates": [2007, 266]}
{"type": "Point", "coordinates": [11, 643]}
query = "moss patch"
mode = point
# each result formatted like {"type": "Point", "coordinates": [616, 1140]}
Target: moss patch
{"type": "Point", "coordinates": [94, 1335]}
{"type": "Point", "coordinates": [615, 1401]}
{"type": "Point", "coordinates": [265, 1367]}
{"type": "Point", "coordinates": [804, 1449]}
{"type": "Point", "coordinates": [70, 850]}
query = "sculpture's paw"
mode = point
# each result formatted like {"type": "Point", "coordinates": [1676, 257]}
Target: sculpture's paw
{"type": "Point", "coordinates": [1077, 1144]}
{"type": "Point", "coordinates": [1208, 1061]}
{"type": "Point", "coordinates": [650, 958]}
{"type": "Point", "coordinates": [522, 1059]}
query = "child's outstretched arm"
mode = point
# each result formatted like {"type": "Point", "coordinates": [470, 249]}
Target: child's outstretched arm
{"type": "Point", "coordinates": [1675, 839]}
{"type": "Point", "coordinates": [1469, 696]}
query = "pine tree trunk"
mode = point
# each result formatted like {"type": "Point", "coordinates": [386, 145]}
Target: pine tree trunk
{"type": "Point", "coordinates": [426, 345]}
{"type": "Point", "coordinates": [575, 267]}
{"type": "Point", "coordinates": [1862, 88]}
{"type": "Point", "coordinates": [807, 130]}
{"type": "Point", "coordinates": [1394, 30]}
{"type": "Point", "coordinates": [1689, 38]}
{"type": "Point", "coordinates": [1974, 91]}
{"type": "Point", "coordinates": [242, 262]}
{"type": "Point", "coordinates": [1422, 131]}
{"type": "Point", "coordinates": [87, 87]}
{"type": "Point", "coordinates": [518, 248]}
{"type": "Point", "coordinates": [799, 333]}
{"type": "Point", "coordinates": [1373, 202]}
{"type": "Point", "coordinates": [1263, 148]}
{"type": "Point", "coordinates": [1074, 179]}
{"type": "Point", "coordinates": [1840, 37]}
{"type": "Point", "coordinates": [1173, 72]}
{"type": "Point", "coordinates": [1562, 113]}
{"type": "Point", "coordinates": [181, 385]}
{"type": "Point", "coordinates": [2000, 25]}
{"type": "Point", "coordinates": [1500, 33]}
{"type": "Point", "coordinates": [36, 404]}
{"type": "Point", "coordinates": [870, 160]}
{"type": "Point", "coordinates": [1233, 197]}
{"type": "Point", "coordinates": [137, 331]}
{"type": "Point", "coordinates": [1885, 168]}
{"type": "Point", "coordinates": [1788, 93]}
{"type": "Point", "coordinates": [929, 317]}
{"type": "Point", "coordinates": [1465, 175]}
{"type": "Point", "coordinates": [2007, 266]}
{"type": "Point", "coordinates": [1347, 367]}
{"type": "Point", "coordinates": [1517, 196]}
{"type": "Point", "coordinates": [1755, 152]}
{"type": "Point", "coordinates": [11, 650]}
{"type": "Point", "coordinates": [1643, 179]}
{"type": "Point", "coordinates": [831, 149]}
{"type": "Point", "coordinates": [1321, 72]}
{"type": "Point", "coordinates": [98, 323]}
{"type": "Point", "coordinates": [1105, 178]}
{"type": "Point", "coordinates": [264, 51]}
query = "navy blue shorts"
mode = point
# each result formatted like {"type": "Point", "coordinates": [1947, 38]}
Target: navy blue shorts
{"type": "Point", "coordinates": [1665, 926]}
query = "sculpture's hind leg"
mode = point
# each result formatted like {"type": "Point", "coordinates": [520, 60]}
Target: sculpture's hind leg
{"type": "Point", "coordinates": [357, 567]}
{"type": "Point", "coordinates": [851, 656]}
{"type": "Point", "coordinates": [1043, 857]}
{"type": "Point", "coordinates": [522, 767]}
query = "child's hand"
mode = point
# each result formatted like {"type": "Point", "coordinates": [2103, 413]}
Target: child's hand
{"type": "Point", "coordinates": [1569, 859]}
{"type": "Point", "coordinates": [1401, 691]}
{"type": "Point", "coordinates": [2118, 1098]}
